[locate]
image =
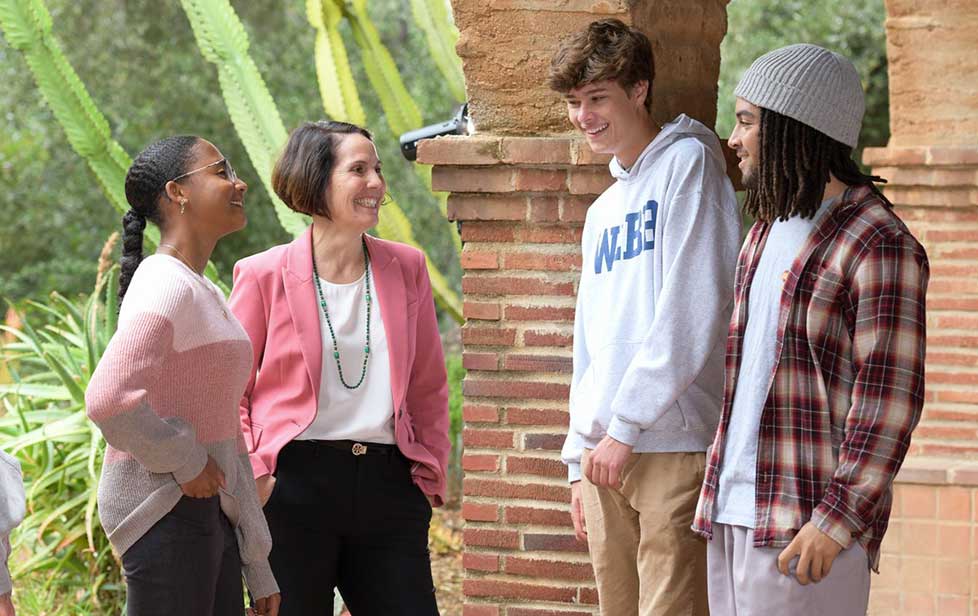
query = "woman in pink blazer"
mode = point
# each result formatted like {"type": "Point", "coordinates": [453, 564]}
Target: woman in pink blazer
{"type": "Point", "coordinates": [346, 412]}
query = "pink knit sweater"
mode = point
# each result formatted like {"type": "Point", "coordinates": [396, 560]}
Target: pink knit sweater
{"type": "Point", "coordinates": [165, 396]}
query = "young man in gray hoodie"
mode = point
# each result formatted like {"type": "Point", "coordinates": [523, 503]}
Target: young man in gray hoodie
{"type": "Point", "coordinates": [11, 513]}
{"type": "Point", "coordinates": [659, 251]}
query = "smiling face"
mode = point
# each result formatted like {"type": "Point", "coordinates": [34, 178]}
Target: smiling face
{"type": "Point", "coordinates": [356, 186]}
{"type": "Point", "coordinates": [746, 140]}
{"type": "Point", "coordinates": [608, 116]}
{"type": "Point", "coordinates": [214, 198]}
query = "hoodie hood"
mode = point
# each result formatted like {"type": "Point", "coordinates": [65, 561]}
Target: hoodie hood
{"type": "Point", "coordinates": [683, 127]}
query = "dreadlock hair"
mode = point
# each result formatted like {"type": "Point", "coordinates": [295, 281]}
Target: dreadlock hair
{"type": "Point", "coordinates": [793, 166]}
{"type": "Point", "coordinates": [145, 184]}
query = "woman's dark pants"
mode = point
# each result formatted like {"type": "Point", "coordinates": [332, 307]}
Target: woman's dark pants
{"type": "Point", "coordinates": [352, 522]}
{"type": "Point", "coordinates": [187, 563]}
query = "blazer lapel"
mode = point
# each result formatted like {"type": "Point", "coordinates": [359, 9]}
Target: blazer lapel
{"type": "Point", "coordinates": [392, 297]}
{"type": "Point", "coordinates": [300, 294]}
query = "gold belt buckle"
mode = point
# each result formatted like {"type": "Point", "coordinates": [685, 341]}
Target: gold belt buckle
{"type": "Point", "coordinates": [359, 449]}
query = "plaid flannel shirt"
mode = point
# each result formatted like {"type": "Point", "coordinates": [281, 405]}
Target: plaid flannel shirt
{"type": "Point", "coordinates": [848, 384]}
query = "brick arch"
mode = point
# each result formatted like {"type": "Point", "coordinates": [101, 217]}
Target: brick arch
{"type": "Point", "coordinates": [520, 188]}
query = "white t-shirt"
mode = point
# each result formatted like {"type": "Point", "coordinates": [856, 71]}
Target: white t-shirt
{"type": "Point", "coordinates": [737, 486]}
{"type": "Point", "coordinates": [366, 413]}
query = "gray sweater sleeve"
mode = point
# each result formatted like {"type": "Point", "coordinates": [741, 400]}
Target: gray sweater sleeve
{"type": "Point", "coordinates": [11, 511]}
{"type": "Point", "coordinates": [254, 538]}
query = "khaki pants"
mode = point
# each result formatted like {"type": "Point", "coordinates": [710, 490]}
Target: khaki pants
{"type": "Point", "coordinates": [646, 559]}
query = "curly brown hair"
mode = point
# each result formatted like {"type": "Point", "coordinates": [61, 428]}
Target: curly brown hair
{"type": "Point", "coordinates": [605, 50]}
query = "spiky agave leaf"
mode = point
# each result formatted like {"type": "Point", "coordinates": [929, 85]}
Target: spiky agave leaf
{"type": "Point", "coordinates": [223, 42]}
{"type": "Point", "coordinates": [399, 106]}
{"type": "Point", "coordinates": [433, 18]}
{"type": "Point", "coordinates": [337, 87]}
{"type": "Point", "coordinates": [27, 25]}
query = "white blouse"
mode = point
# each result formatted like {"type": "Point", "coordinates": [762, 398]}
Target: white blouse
{"type": "Point", "coordinates": [364, 414]}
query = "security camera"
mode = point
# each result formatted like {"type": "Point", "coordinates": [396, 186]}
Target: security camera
{"type": "Point", "coordinates": [459, 125]}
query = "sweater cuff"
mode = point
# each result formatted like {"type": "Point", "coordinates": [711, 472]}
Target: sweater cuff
{"type": "Point", "coordinates": [573, 472]}
{"type": "Point", "coordinates": [623, 432]}
{"type": "Point", "coordinates": [195, 463]}
{"type": "Point", "coordinates": [260, 580]}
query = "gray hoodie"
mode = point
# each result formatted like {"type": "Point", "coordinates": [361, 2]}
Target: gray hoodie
{"type": "Point", "coordinates": [11, 511]}
{"type": "Point", "coordinates": [660, 248]}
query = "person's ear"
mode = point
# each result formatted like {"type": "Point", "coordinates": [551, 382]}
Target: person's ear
{"type": "Point", "coordinates": [639, 91]}
{"type": "Point", "coordinates": [176, 192]}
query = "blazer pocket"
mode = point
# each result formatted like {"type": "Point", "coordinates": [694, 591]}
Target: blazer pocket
{"type": "Point", "coordinates": [408, 426]}
{"type": "Point", "coordinates": [256, 432]}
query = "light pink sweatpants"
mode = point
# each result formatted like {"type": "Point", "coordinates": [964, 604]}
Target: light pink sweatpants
{"type": "Point", "coordinates": [745, 581]}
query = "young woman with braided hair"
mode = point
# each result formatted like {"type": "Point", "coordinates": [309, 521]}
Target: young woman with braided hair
{"type": "Point", "coordinates": [176, 497]}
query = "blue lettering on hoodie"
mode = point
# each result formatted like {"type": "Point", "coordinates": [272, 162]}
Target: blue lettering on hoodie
{"type": "Point", "coordinates": [639, 232]}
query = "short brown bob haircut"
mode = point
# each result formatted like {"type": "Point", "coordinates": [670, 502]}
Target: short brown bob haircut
{"type": "Point", "coordinates": [302, 172]}
{"type": "Point", "coordinates": [605, 50]}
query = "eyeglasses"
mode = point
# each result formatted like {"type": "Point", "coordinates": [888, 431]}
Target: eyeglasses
{"type": "Point", "coordinates": [228, 170]}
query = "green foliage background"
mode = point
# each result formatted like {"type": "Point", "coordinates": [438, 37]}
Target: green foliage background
{"type": "Point", "coordinates": [852, 28]}
{"type": "Point", "coordinates": [143, 68]}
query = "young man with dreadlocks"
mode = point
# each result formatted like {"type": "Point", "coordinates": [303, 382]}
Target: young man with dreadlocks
{"type": "Point", "coordinates": [825, 353]}
{"type": "Point", "coordinates": [655, 295]}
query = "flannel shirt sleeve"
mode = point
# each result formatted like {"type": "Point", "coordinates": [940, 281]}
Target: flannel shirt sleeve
{"type": "Point", "coordinates": [889, 337]}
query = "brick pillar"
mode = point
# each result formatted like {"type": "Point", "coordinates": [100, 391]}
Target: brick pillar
{"type": "Point", "coordinates": [521, 203]}
{"type": "Point", "coordinates": [930, 555]}
{"type": "Point", "coordinates": [520, 188]}
{"type": "Point", "coordinates": [931, 163]}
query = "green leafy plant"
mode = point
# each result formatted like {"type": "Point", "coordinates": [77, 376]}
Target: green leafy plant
{"type": "Point", "coordinates": [28, 26]}
{"type": "Point", "coordinates": [222, 40]}
{"type": "Point", "coordinates": [456, 374]}
{"type": "Point", "coordinates": [63, 549]}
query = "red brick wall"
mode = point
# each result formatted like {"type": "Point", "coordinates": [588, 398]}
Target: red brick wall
{"type": "Point", "coordinates": [935, 191]}
{"type": "Point", "coordinates": [521, 203]}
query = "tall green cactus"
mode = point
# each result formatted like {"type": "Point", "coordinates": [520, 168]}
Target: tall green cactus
{"type": "Point", "coordinates": [337, 87]}
{"type": "Point", "coordinates": [399, 107]}
{"type": "Point", "coordinates": [224, 42]}
{"type": "Point", "coordinates": [433, 18]}
{"type": "Point", "coordinates": [27, 25]}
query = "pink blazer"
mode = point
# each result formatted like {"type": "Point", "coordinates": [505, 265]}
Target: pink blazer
{"type": "Point", "coordinates": [274, 297]}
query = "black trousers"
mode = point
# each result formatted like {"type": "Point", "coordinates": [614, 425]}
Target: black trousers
{"type": "Point", "coordinates": [188, 563]}
{"type": "Point", "coordinates": [356, 523]}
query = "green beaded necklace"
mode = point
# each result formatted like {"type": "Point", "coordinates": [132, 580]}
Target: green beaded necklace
{"type": "Point", "coordinates": [322, 304]}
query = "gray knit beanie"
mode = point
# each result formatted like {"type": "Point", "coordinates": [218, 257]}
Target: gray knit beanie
{"type": "Point", "coordinates": [810, 84]}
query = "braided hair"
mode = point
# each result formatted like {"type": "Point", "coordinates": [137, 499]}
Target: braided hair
{"type": "Point", "coordinates": [145, 184]}
{"type": "Point", "coordinates": [794, 164]}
